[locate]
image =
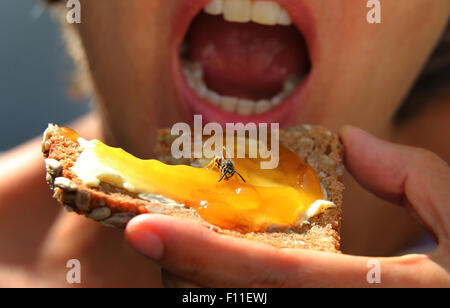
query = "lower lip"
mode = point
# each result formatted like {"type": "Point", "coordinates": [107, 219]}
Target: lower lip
{"type": "Point", "coordinates": [191, 103]}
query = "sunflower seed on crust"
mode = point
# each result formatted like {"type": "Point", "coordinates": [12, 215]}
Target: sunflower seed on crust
{"type": "Point", "coordinates": [49, 179]}
{"type": "Point", "coordinates": [83, 200]}
{"type": "Point", "coordinates": [68, 198]}
{"type": "Point", "coordinates": [65, 184]}
{"type": "Point", "coordinates": [46, 134]}
{"type": "Point", "coordinates": [100, 213]}
{"type": "Point", "coordinates": [118, 220]}
{"type": "Point", "coordinates": [45, 145]}
{"type": "Point", "coordinates": [53, 167]}
{"type": "Point", "coordinates": [57, 194]}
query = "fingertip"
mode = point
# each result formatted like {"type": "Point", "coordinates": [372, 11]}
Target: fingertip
{"type": "Point", "coordinates": [353, 143]}
{"type": "Point", "coordinates": [137, 223]}
{"type": "Point", "coordinates": [142, 236]}
{"type": "Point", "coordinates": [349, 134]}
{"type": "Point", "coordinates": [376, 164]}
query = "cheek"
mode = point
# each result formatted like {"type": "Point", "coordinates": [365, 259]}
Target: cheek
{"type": "Point", "coordinates": [367, 69]}
{"type": "Point", "coordinates": [127, 50]}
{"type": "Point", "coordinates": [127, 46]}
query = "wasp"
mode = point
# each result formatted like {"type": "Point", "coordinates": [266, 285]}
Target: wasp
{"type": "Point", "coordinates": [226, 167]}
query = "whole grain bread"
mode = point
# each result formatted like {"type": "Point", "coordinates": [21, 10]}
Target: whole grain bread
{"type": "Point", "coordinates": [113, 206]}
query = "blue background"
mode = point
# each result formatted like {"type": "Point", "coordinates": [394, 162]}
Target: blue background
{"type": "Point", "coordinates": [35, 73]}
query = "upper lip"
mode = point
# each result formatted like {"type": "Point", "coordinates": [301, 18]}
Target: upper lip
{"type": "Point", "coordinates": [301, 17]}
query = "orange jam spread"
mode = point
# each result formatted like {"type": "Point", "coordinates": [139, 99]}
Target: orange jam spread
{"type": "Point", "coordinates": [267, 197]}
{"type": "Point", "coordinates": [69, 133]}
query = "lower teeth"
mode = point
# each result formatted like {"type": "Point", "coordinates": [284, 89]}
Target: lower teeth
{"type": "Point", "coordinates": [194, 77]}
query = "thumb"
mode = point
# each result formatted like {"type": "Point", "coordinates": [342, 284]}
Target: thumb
{"type": "Point", "coordinates": [194, 255]}
{"type": "Point", "coordinates": [412, 177]}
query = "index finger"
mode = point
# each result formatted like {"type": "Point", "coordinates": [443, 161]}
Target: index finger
{"type": "Point", "coordinates": [413, 177]}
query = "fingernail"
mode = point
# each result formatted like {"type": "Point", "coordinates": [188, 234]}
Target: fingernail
{"type": "Point", "coordinates": [147, 243]}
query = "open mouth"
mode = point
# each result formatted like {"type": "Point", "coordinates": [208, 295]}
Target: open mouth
{"type": "Point", "coordinates": [241, 60]}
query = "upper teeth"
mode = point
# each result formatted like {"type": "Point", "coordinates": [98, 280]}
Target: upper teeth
{"type": "Point", "coordinates": [194, 76]}
{"type": "Point", "coordinates": [262, 12]}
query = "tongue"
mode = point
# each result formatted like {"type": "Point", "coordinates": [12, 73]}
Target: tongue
{"type": "Point", "coordinates": [246, 60]}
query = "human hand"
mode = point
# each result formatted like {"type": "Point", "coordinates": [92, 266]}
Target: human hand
{"type": "Point", "coordinates": [413, 178]}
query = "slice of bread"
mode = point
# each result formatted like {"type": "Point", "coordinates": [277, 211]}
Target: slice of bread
{"type": "Point", "coordinates": [113, 206]}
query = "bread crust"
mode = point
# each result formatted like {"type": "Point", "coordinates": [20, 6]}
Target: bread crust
{"type": "Point", "coordinates": [114, 207]}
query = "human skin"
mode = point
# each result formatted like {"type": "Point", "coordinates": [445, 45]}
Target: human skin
{"type": "Point", "coordinates": [364, 74]}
